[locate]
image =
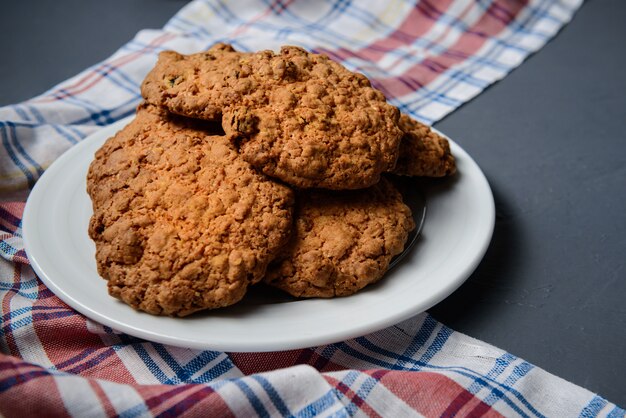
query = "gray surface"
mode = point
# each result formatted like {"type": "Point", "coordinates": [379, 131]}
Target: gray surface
{"type": "Point", "coordinates": [550, 138]}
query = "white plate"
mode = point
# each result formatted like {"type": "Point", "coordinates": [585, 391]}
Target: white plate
{"type": "Point", "coordinates": [455, 236]}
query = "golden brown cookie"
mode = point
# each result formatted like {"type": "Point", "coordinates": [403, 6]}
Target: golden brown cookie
{"type": "Point", "coordinates": [181, 223]}
{"type": "Point", "coordinates": [299, 116]}
{"type": "Point", "coordinates": [423, 152]}
{"type": "Point", "coordinates": [341, 241]}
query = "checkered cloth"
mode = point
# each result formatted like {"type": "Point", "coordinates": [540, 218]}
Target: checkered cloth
{"type": "Point", "coordinates": [428, 57]}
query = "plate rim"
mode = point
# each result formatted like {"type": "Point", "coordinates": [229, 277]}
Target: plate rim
{"type": "Point", "coordinates": [29, 234]}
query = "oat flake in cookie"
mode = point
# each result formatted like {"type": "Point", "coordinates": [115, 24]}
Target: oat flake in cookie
{"type": "Point", "coordinates": [342, 241]}
{"type": "Point", "coordinates": [181, 222]}
{"type": "Point", "coordinates": [299, 116]}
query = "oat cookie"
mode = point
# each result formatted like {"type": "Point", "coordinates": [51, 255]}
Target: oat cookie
{"type": "Point", "coordinates": [181, 223]}
{"type": "Point", "coordinates": [299, 116]}
{"type": "Point", "coordinates": [423, 152]}
{"type": "Point", "coordinates": [341, 241]}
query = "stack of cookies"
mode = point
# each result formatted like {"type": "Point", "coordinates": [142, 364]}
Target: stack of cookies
{"type": "Point", "coordinates": [246, 167]}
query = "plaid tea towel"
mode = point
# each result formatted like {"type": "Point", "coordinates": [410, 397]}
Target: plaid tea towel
{"type": "Point", "coordinates": [428, 57]}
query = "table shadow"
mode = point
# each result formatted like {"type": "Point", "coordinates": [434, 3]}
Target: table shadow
{"type": "Point", "coordinates": [469, 303]}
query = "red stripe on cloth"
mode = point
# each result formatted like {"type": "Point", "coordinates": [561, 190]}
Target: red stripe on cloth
{"type": "Point", "coordinates": [19, 381]}
{"type": "Point", "coordinates": [94, 76]}
{"type": "Point", "coordinates": [160, 399]}
{"type": "Point", "coordinates": [6, 311]}
{"type": "Point", "coordinates": [79, 351]}
{"type": "Point", "coordinates": [11, 215]}
{"type": "Point", "coordinates": [492, 22]}
{"type": "Point", "coordinates": [252, 363]}
{"type": "Point", "coordinates": [433, 394]}
{"type": "Point", "coordinates": [14, 208]}
{"type": "Point", "coordinates": [482, 409]}
{"type": "Point", "coordinates": [352, 396]}
{"type": "Point", "coordinates": [495, 19]}
{"type": "Point", "coordinates": [108, 407]}
{"type": "Point", "coordinates": [417, 22]}
{"type": "Point", "coordinates": [73, 349]}
{"type": "Point", "coordinates": [20, 257]}
{"type": "Point", "coordinates": [197, 404]}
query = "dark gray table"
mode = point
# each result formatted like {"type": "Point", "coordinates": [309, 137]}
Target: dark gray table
{"type": "Point", "coordinates": [551, 138]}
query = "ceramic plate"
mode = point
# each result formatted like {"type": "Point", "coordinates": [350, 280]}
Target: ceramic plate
{"type": "Point", "coordinates": [455, 235]}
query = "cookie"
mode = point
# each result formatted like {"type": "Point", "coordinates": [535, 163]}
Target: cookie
{"type": "Point", "coordinates": [181, 223]}
{"type": "Point", "coordinates": [298, 116]}
{"type": "Point", "coordinates": [423, 152]}
{"type": "Point", "coordinates": [341, 241]}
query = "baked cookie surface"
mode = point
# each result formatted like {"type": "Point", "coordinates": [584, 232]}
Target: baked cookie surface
{"type": "Point", "coordinates": [299, 116]}
{"type": "Point", "coordinates": [181, 223]}
{"type": "Point", "coordinates": [341, 242]}
{"type": "Point", "coordinates": [423, 152]}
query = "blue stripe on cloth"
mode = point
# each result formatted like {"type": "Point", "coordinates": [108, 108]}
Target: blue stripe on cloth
{"type": "Point", "coordinates": [183, 374]}
{"type": "Point", "coordinates": [7, 249]}
{"type": "Point", "coordinates": [362, 392]}
{"type": "Point", "coordinates": [84, 366]}
{"type": "Point", "coordinates": [21, 150]}
{"type": "Point", "coordinates": [97, 114]}
{"type": "Point", "coordinates": [500, 365]}
{"type": "Point", "coordinates": [14, 381]}
{"type": "Point", "coordinates": [251, 397]}
{"type": "Point", "coordinates": [273, 394]}
{"type": "Point", "coordinates": [79, 134]}
{"type": "Point", "coordinates": [60, 129]}
{"type": "Point", "coordinates": [145, 357]}
{"type": "Point", "coordinates": [424, 333]}
{"type": "Point", "coordinates": [459, 76]}
{"type": "Point", "coordinates": [21, 113]}
{"type": "Point", "coordinates": [61, 312]}
{"type": "Point", "coordinates": [202, 360]}
{"type": "Point", "coordinates": [190, 29]}
{"type": "Point", "coordinates": [593, 408]}
{"type": "Point", "coordinates": [220, 9]}
{"type": "Point", "coordinates": [412, 364]}
{"type": "Point", "coordinates": [66, 96]}
{"type": "Point", "coordinates": [347, 381]}
{"type": "Point", "coordinates": [15, 325]}
{"type": "Point", "coordinates": [126, 109]}
{"type": "Point", "coordinates": [518, 372]}
{"type": "Point", "coordinates": [216, 371]}
{"type": "Point", "coordinates": [328, 351]}
{"type": "Point", "coordinates": [315, 30]}
{"type": "Point", "coordinates": [120, 78]}
{"type": "Point", "coordinates": [371, 20]}
{"type": "Point", "coordinates": [7, 143]}
{"type": "Point", "coordinates": [103, 117]}
{"type": "Point", "coordinates": [23, 288]}
{"type": "Point", "coordinates": [15, 313]}
{"type": "Point", "coordinates": [437, 344]}
{"type": "Point", "coordinates": [10, 323]}
{"type": "Point", "coordinates": [138, 410]}
{"type": "Point", "coordinates": [617, 412]}
{"type": "Point", "coordinates": [189, 400]}
{"type": "Point", "coordinates": [321, 404]}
